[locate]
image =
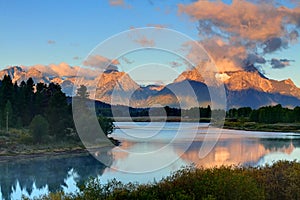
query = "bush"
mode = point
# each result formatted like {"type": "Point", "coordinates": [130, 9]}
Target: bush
{"type": "Point", "coordinates": [26, 139]}
{"type": "Point", "coordinates": [222, 183]}
{"type": "Point", "coordinates": [279, 181]}
{"type": "Point", "coordinates": [39, 128]}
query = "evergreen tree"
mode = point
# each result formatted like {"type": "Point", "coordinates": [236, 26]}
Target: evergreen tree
{"type": "Point", "coordinates": [41, 98]}
{"type": "Point", "coordinates": [297, 114]}
{"type": "Point", "coordinates": [57, 113]}
{"type": "Point", "coordinates": [28, 103]}
{"type": "Point", "coordinates": [8, 115]}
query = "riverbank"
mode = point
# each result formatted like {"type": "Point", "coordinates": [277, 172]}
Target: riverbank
{"type": "Point", "coordinates": [161, 119]}
{"type": "Point", "coordinates": [46, 152]}
{"type": "Point", "coordinates": [228, 124]}
{"type": "Point", "coordinates": [17, 144]}
{"type": "Point", "coordinates": [43, 154]}
{"type": "Point", "coordinates": [252, 126]}
{"type": "Point", "coordinates": [279, 181]}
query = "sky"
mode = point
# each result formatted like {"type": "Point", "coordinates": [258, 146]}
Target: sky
{"type": "Point", "coordinates": [235, 33]}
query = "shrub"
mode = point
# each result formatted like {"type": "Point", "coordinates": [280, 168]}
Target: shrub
{"type": "Point", "coordinates": [279, 181]}
{"type": "Point", "coordinates": [39, 128]}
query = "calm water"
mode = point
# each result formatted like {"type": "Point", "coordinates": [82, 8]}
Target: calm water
{"type": "Point", "coordinates": [149, 151]}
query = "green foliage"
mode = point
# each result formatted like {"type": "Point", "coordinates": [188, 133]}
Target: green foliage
{"type": "Point", "coordinates": [26, 139]}
{"type": "Point", "coordinates": [197, 112]}
{"type": "Point", "coordinates": [57, 112]}
{"type": "Point", "coordinates": [106, 124]}
{"type": "Point", "coordinates": [279, 181]}
{"type": "Point", "coordinates": [22, 104]}
{"type": "Point", "coordinates": [8, 113]}
{"type": "Point", "coordinates": [39, 128]}
{"type": "Point", "coordinates": [267, 115]}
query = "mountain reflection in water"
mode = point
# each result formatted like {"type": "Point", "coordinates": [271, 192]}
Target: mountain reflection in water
{"type": "Point", "coordinates": [39, 176]}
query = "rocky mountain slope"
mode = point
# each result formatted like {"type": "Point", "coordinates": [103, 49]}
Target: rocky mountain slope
{"type": "Point", "coordinates": [243, 88]}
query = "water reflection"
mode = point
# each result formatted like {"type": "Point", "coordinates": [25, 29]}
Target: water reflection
{"type": "Point", "coordinates": [39, 176]}
{"type": "Point", "coordinates": [237, 152]}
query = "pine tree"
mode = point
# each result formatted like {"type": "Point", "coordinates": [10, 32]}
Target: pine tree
{"type": "Point", "coordinates": [8, 115]}
{"type": "Point", "coordinates": [57, 112]}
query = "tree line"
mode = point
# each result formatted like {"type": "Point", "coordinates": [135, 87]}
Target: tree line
{"type": "Point", "coordinates": [20, 104]}
{"type": "Point", "coordinates": [267, 114]}
{"type": "Point", "coordinates": [122, 111]}
{"type": "Point", "coordinates": [43, 109]}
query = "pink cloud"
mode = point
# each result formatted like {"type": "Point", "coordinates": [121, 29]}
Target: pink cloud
{"type": "Point", "coordinates": [144, 41]}
{"type": "Point", "coordinates": [99, 62]}
{"type": "Point", "coordinates": [120, 3]}
{"type": "Point", "coordinates": [157, 26]}
{"type": "Point", "coordinates": [231, 33]}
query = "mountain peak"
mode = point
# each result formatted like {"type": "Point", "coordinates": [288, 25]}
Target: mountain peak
{"type": "Point", "coordinates": [248, 87]}
{"type": "Point", "coordinates": [108, 71]}
{"type": "Point", "coordinates": [252, 68]}
{"type": "Point", "coordinates": [15, 72]}
{"type": "Point", "coordinates": [289, 82]}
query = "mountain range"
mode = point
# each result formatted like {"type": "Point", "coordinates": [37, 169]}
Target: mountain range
{"type": "Point", "coordinates": [191, 88]}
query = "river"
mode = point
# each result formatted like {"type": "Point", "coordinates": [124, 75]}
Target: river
{"type": "Point", "coordinates": [148, 152]}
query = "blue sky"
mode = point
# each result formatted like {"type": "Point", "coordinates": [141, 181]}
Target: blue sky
{"type": "Point", "coordinates": [54, 31]}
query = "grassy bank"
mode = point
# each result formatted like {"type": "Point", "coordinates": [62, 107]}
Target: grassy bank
{"type": "Point", "coordinates": [253, 126]}
{"type": "Point", "coordinates": [161, 119]}
{"type": "Point", "coordinates": [279, 181]}
{"type": "Point", "coordinates": [19, 143]}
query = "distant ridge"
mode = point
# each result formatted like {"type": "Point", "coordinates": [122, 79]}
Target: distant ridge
{"type": "Point", "coordinates": [243, 88]}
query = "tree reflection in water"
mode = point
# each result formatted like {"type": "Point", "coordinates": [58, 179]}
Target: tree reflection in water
{"type": "Point", "coordinates": [62, 173]}
{"type": "Point", "coordinates": [47, 174]}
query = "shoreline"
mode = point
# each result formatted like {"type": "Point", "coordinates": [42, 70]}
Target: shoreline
{"type": "Point", "coordinates": [251, 126]}
{"type": "Point", "coordinates": [37, 155]}
{"type": "Point", "coordinates": [54, 153]}
{"type": "Point", "coordinates": [261, 130]}
{"type": "Point", "coordinates": [79, 150]}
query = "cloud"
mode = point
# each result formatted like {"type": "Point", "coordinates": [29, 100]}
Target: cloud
{"type": "Point", "coordinates": [62, 70]}
{"type": "Point", "coordinates": [140, 38]}
{"type": "Point", "coordinates": [225, 56]}
{"type": "Point", "coordinates": [51, 41]}
{"type": "Point", "coordinates": [254, 58]}
{"type": "Point", "coordinates": [144, 41]}
{"type": "Point", "coordinates": [243, 18]}
{"type": "Point", "coordinates": [117, 2]}
{"type": "Point", "coordinates": [274, 44]}
{"type": "Point", "coordinates": [76, 58]}
{"type": "Point", "coordinates": [100, 62]}
{"type": "Point", "coordinates": [293, 36]}
{"type": "Point", "coordinates": [157, 26]}
{"type": "Point", "coordinates": [120, 3]}
{"type": "Point", "coordinates": [127, 61]}
{"type": "Point", "coordinates": [175, 64]}
{"type": "Point", "coordinates": [280, 63]}
{"type": "Point", "coordinates": [244, 28]}
{"type": "Point", "coordinates": [111, 68]}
